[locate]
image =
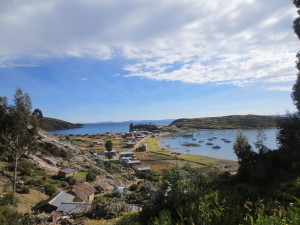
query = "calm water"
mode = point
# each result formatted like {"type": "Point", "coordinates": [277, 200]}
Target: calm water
{"type": "Point", "coordinates": [226, 150]}
{"type": "Point", "coordinates": [94, 128]}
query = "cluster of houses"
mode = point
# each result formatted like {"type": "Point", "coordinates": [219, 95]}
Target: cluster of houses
{"type": "Point", "coordinates": [79, 198]}
{"type": "Point", "coordinates": [137, 135]}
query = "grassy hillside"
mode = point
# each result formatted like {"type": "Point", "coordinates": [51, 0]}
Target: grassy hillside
{"type": "Point", "coordinates": [55, 124]}
{"type": "Point", "coordinates": [226, 122]}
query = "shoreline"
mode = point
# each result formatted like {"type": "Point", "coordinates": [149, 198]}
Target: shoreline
{"type": "Point", "coordinates": [226, 164]}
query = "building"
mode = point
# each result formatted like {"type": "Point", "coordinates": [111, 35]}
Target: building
{"type": "Point", "coordinates": [143, 170]}
{"type": "Point", "coordinates": [52, 203]}
{"type": "Point", "coordinates": [118, 190]}
{"type": "Point", "coordinates": [142, 148]}
{"type": "Point", "coordinates": [83, 192]}
{"type": "Point", "coordinates": [69, 172]}
{"type": "Point", "coordinates": [130, 144]}
{"type": "Point", "coordinates": [133, 162]}
{"type": "Point", "coordinates": [74, 207]}
{"type": "Point", "coordinates": [126, 154]}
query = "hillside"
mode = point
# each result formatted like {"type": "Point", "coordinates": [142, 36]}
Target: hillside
{"type": "Point", "coordinates": [56, 124]}
{"type": "Point", "coordinates": [226, 122]}
{"type": "Point", "coordinates": [40, 168]}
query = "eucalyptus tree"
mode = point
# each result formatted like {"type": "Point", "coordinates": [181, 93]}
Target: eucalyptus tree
{"type": "Point", "coordinates": [18, 129]}
{"type": "Point", "coordinates": [108, 147]}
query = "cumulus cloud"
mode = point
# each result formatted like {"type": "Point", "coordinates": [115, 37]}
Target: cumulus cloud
{"type": "Point", "coordinates": [223, 42]}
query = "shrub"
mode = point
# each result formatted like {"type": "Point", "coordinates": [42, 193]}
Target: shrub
{"type": "Point", "coordinates": [91, 176]}
{"type": "Point", "coordinates": [71, 180]}
{"type": "Point", "coordinates": [109, 209]}
{"type": "Point", "coordinates": [9, 215]}
{"type": "Point", "coordinates": [8, 199]}
{"type": "Point", "coordinates": [134, 187]}
{"type": "Point", "coordinates": [50, 189]}
{"type": "Point", "coordinates": [25, 189]}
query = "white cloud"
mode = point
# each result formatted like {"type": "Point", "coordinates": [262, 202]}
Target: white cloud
{"type": "Point", "coordinates": [84, 78]}
{"type": "Point", "coordinates": [288, 88]}
{"type": "Point", "coordinates": [224, 42]}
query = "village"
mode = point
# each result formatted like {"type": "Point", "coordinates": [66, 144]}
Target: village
{"type": "Point", "coordinates": [79, 198]}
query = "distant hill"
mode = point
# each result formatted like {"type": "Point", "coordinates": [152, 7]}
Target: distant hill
{"type": "Point", "coordinates": [226, 122]}
{"type": "Point", "coordinates": [55, 124]}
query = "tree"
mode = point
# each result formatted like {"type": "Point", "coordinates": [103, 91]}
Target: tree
{"type": "Point", "coordinates": [296, 88]}
{"type": "Point", "coordinates": [18, 129]}
{"type": "Point", "coordinates": [243, 150]}
{"type": "Point", "coordinates": [108, 147]}
{"type": "Point", "coordinates": [259, 144]}
{"type": "Point", "coordinates": [131, 127]}
{"type": "Point", "coordinates": [39, 116]}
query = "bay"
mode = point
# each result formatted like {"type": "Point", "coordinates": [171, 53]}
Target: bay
{"type": "Point", "coordinates": [178, 143]}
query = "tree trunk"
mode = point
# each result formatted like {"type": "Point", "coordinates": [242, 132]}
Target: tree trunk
{"type": "Point", "coordinates": [15, 174]}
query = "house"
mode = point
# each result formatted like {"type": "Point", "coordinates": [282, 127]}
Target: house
{"type": "Point", "coordinates": [74, 207]}
{"type": "Point", "coordinates": [143, 170]}
{"type": "Point", "coordinates": [67, 172]}
{"type": "Point", "coordinates": [129, 135]}
{"type": "Point", "coordinates": [118, 190]}
{"type": "Point", "coordinates": [113, 152]}
{"type": "Point", "coordinates": [142, 148]}
{"type": "Point", "coordinates": [133, 162]}
{"type": "Point", "coordinates": [126, 154]}
{"type": "Point", "coordinates": [83, 192]}
{"type": "Point", "coordinates": [52, 203]}
{"type": "Point", "coordinates": [130, 144]}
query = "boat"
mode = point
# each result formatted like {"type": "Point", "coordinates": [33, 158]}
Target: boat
{"type": "Point", "coordinates": [209, 143]}
{"type": "Point", "coordinates": [210, 139]}
{"type": "Point", "coordinates": [227, 141]}
{"type": "Point", "coordinates": [216, 147]}
{"type": "Point", "coordinates": [194, 139]}
{"type": "Point", "coordinates": [187, 135]}
{"type": "Point", "coordinates": [200, 141]}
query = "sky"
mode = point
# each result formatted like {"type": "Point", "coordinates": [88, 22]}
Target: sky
{"type": "Point", "coordinates": [116, 60]}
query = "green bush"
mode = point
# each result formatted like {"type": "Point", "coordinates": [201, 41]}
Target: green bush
{"type": "Point", "coordinates": [50, 189]}
{"type": "Point", "coordinates": [10, 216]}
{"type": "Point", "coordinates": [109, 209]}
{"type": "Point", "coordinates": [134, 187]}
{"type": "Point", "coordinates": [128, 218]}
{"type": "Point", "coordinates": [91, 176]}
{"type": "Point", "coordinates": [8, 199]}
{"type": "Point", "coordinates": [71, 180]}
{"type": "Point", "coordinates": [25, 189]}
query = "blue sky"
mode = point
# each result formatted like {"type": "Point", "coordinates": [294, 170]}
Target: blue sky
{"type": "Point", "coordinates": [116, 60]}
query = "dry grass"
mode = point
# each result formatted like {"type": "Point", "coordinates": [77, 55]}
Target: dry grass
{"type": "Point", "coordinates": [27, 201]}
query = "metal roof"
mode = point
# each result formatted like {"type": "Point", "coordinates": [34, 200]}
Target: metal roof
{"type": "Point", "coordinates": [74, 207]}
{"type": "Point", "coordinates": [68, 170]}
{"type": "Point", "coordinates": [126, 153]}
{"type": "Point", "coordinates": [118, 189]}
{"type": "Point", "coordinates": [143, 168]}
{"type": "Point", "coordinates": [62, 196]}
{"type": "Point", "coordinates": [134, 161]}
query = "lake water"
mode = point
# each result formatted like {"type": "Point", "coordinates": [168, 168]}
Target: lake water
{"type": "Point", "coordinates": [225, 152]}
{"type": "Point", "coordinates": [95, 128]}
